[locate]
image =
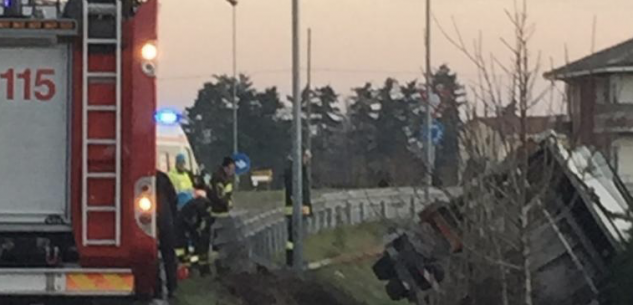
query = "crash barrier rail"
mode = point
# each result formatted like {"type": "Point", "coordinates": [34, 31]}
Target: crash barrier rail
{"type": "Point", "coordinates": [262, 236]}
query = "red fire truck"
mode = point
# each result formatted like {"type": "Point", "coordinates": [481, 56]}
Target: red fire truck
{"type": "Point", "coordinates": [77, 147]}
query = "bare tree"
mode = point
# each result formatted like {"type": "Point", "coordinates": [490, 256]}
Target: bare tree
{"type": "Point", "coordinates": [502, 194]}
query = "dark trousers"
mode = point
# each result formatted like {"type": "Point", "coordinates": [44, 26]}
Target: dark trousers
{"type": "Point", "coordinates": [202, 244]}
{"type": "Point", "coordinates": [290, 243]}
{"type": "Point", "coordinates": [171, 268]}
{"type": "Point", "coordinates": [169, 260]}
{"type": "Point", "coordinates": [220, 246]}
{"type": "Point", "coordinates": [196, 234]}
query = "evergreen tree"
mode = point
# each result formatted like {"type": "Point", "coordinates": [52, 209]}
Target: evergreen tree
{"type": "Point", "coordinates": [381, 131]}
{"type": "Point", "coordinates": [447, 151]}
{"type": "Point", "coordinates": [261, 132]}
{"type": "Point", "coordinates": [326, 126]}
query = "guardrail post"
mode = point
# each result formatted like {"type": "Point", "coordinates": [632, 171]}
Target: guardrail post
{"type": "Point", "coordinates": [281, 236]}
{"type": "Point", "coordinates": [383, 209]}
{"type": "Point", "coordinates": [348, 211]}
{"type": "Point", "coordinates": [306, 226]}
{"type": "Point", "coordinates": [273, 240]}
{"type": "Point", "coordinates": [361, 212]}
{"type": "Point", "coordinates": [280, 242]}
{"type": "Point", "coordinates": [253, 244]}
{"type": "Point", "coordinates": [323, 220]}
{"type": "Point", "coordinates": [412, 208]}
{"type": "Point", "coordinates": [316, 222]}
{"type": "Point", "coordinates": [284, 234]}
{"type": "Point", "coordinates": [260, 243]}
{"type": "Point", "coordinates": [270, 243]}
{"type": "Point", "coordinates": [329, 217]}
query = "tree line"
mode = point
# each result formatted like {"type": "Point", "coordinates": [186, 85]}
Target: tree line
{"type": "Point", "coordinates": [371, 138]}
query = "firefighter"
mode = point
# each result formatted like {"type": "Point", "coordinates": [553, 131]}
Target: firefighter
{"type": "Point", "coordinates": [307, 203]}
{"type": "Point", "coordinates": [183, 181]}
{"type": "Point", "coordinates": [195, 223]}
{"type": "Point", "coordinates": [221, 197]}
{"type": "Point", "coordinates": [166, 201]}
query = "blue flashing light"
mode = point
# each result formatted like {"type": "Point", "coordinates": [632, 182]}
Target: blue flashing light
{"type": "Point", "coordinates": [167, 117]}
{"type": "Point", "coordinates": [7, 3]}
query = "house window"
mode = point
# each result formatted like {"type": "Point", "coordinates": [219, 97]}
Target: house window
{"type": "Point", "coordinates": [606, 89]}
{"type": "Point", "coordinates": [614, 88]}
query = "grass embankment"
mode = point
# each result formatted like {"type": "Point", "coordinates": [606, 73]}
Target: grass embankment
{"type": "Point", "coordinates": [354, 278]}
{"type": "Point", "coordinates": [203, 291]}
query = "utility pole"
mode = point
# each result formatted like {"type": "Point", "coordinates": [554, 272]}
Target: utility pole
{"type": "Point", "coordinates": [309, 106]}
{"type": "Point", "coordinates": [297, 191]}
{"type": "Point", "coordinates": [428, 146]}
{"type": "Point", "coordinates": [235, 81]}
{"type": "Point", "coordinates": [234, 89]}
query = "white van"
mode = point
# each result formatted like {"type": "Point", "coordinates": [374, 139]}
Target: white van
{"type": "Point", "coordinates": [171, 141]}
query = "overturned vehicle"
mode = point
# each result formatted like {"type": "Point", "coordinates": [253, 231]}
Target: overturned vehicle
{"type": "Point", "coordinates": [544, 225]}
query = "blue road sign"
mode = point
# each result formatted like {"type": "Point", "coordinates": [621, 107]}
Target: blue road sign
{"type": "Point", "coordinates": [437, 132]}
{"type": "Point", "coordinates": [242, 163]}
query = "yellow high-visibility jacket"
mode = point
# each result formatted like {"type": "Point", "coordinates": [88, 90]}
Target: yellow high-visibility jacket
{"type": "Point", "coordinates": [182, 181]}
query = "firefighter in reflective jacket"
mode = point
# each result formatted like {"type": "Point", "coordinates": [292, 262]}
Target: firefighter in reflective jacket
{"type": "Point", "coordinates": [307, 203]}
{"type": "Point", "coordinates": [188, 219]}
{"type": "Point", "coordinates": [220, 195]}
{"type": "Point", "coordinates": [183, 181]}
{"type": "Point", "coordinates": [221, 189]}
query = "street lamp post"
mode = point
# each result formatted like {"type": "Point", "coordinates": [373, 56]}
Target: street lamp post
{"type": "Point", "coordinates": [234, 93]}
{"type": "Point", "coordinates": [428, 146]}
{"type": "Point", "coordinates": [297, 192]}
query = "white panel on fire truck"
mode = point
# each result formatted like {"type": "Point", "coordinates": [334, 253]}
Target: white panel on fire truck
{"type": "Point", "coordinates": [34, 106]}
{"type": "Point", "coordinates": [22, 283]}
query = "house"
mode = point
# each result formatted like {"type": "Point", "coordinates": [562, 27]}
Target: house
{"type": "Point", "coordinates": [600, 104]}
{"type": "Point", "coordinates": [488, 140]}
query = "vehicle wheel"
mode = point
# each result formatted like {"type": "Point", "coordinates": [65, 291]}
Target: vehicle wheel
{"type": "Point", "coordinates": [384, 268]}
{"type": "Point", "coordinates": [396, 290]}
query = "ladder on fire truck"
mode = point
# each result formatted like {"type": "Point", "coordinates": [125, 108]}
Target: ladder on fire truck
{"type": "Point", "coordinates": [101, 185]}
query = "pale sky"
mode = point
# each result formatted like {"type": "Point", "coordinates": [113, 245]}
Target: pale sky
{"type": "Point", "coordinates": [355, 41]}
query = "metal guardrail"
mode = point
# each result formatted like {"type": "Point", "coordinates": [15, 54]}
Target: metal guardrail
{"type": "Point", "coordinates": [264, 234]}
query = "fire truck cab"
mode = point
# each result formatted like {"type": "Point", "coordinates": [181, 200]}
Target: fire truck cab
{"type": "Point", "coordinates": [77, 147]}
